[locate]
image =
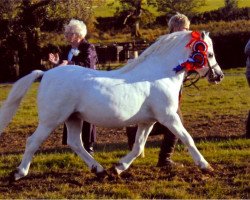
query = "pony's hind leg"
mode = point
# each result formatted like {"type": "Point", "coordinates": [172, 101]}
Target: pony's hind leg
{"type": "Point", "coordinates": [32, 145]}
{"type": "Point", "coordinates": [174, 124]}
{"type": "Point", "coordinates": [74, 127]}
{"type": "Point", "coordinates": [138, 147]}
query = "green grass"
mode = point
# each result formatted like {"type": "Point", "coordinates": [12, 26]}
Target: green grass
{"type": "Point", "coordinates": [64, 175]}
{"type": "Point", "coordinates": [230, 97]}
{"type": "Point", "coordinates": [107, 10]}
{"type": "Point", "coordinates": [26, 115]}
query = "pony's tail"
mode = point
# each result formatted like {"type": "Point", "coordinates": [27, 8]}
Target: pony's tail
{"type": "Point", "coordinates": [16, 94]}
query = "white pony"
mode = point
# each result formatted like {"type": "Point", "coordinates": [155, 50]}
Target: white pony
{"type": "Point", "coordinates": [142, 92]}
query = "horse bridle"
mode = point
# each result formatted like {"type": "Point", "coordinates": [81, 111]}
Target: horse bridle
{"type": "Point", "coordinates": [198, 59]}
{"type": "Point", "coordinates": [193, 76]}
{"type": "Point", "coordinates": [210, 72]}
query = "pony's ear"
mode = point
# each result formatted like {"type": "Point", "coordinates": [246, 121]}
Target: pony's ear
{"type": "Point", "coordinates": [203, 34]}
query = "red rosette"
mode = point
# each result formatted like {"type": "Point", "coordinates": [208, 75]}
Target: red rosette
{"type": "Point", "coordinates": [200, 46]}
{"type": "Point", "coordinates": [195, 35]}
{"type": "Point", "coordinates": [187, 65]}
{"type": "Point", "coordinates": [199, 59]}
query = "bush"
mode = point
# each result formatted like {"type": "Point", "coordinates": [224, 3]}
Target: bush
{"type": "Point", "coordinates": [229, 49]}
{"type": "Point", "coordinates": [222, 14]}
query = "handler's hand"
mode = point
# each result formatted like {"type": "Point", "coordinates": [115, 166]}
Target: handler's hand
{"type": "Point", "coordinates": [54, 58]}
{"type": "Point", "coordinates": [64, 62]}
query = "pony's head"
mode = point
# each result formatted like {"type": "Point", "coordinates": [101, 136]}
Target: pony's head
{"type": "Point", "coordinates": [202, 59]}
{"type": "Point", "coordinates": [211, 69]}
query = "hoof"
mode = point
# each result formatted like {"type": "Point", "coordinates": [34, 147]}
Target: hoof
{"type": "Point", "coordinates": [12, 176]}
{"type": "Point", "coordinates": [113, 174]}
{"type": "Point", "coordinates": [209, 170]}
{"type": "Point", "coordinates": [101, 176]}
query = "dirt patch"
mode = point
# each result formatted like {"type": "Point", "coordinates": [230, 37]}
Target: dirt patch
{"type": "Point", "coordinates": [223, 127]}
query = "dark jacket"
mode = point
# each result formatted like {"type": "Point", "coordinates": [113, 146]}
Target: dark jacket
{"type": "Point", "coordinates": [247, 52]}
{"type": "Point", "coordinates": [87, 56]}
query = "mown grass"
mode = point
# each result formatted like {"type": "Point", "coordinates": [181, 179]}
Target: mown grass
{"type": "Point", "coordinates": [214, 4]}
{"type": "Point", "coordinates": [109, 9]}
{"type": "Point", "coordinates": [59, 173]}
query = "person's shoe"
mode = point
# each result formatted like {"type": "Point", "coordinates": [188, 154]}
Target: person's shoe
{"type": "Point", "coordinates": [168, 163]}
{"type": "Point", "coordinates": [90, 149]}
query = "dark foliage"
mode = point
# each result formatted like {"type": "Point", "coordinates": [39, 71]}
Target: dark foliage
{"type": "Point", "coordinates": [53, 25]}
{"type": "Point", "coordinates": [229, 49]}
{"type": "Point", "coordinates": [111, 23]}
{"type": "Point", "coordinates": [223, 14]}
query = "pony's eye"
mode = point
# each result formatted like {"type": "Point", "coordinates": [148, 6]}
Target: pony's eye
{"type": "Point", "coordinates": [210, 55]}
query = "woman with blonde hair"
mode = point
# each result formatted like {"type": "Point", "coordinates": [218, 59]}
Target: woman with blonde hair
{"type": "Point", "coordinates": [178, 22]}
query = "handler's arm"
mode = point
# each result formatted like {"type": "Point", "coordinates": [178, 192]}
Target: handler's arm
{"type": "Point", "coordinates": [247, 48]}
{"type": "Point", "coordinates": [91, 58]}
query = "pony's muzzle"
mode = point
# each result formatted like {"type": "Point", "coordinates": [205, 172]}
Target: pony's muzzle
{"type": "Point", "coordinates": [214, 77]}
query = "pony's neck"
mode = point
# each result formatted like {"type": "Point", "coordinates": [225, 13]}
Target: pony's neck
{"type": "Point", "coordinates": [165, 54]}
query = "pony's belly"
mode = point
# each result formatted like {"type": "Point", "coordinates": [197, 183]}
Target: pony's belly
{"type": "Point", "coordinates": [114, 123]}
{"type": "Point", "coordinates": [112, 119]}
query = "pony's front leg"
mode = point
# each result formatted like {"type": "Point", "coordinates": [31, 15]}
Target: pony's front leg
{"type": "Point", "coordinates": [74, 127]}
{"type": "Point", "coordinates": [138, 147]}
{"type": "Point", "coordinates": [173, 122]}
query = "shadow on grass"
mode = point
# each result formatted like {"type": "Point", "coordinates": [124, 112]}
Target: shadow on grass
{"type": "Point", "coordinates": [123, 146]}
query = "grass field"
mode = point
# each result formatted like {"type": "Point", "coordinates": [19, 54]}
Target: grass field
{"type": "Point", "coordinates": [57, 173]}
{"type": "Point", "coordinates": [107, 10]}
{"type": "Point", "coordinates": [63, 175]}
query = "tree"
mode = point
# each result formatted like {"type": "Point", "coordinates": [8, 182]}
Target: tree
{"type": "Point", "coordinates": [186, 7]}
{"type": "Point", "coordinates": [22, 21]}
{"type": "Point", "coordinates": [231, 5]}
{"type": "Point", "coordinates": [132, 13]}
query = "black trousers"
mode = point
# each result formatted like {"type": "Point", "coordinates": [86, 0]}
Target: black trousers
{"type": "Point", "coordinates": [88, 134]}
{"type": "Point", "coordinates": [248, 118]}
{"type": "Point", "coordinates": [248, 126]}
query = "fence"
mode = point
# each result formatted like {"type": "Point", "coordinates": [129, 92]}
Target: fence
{"type": "Point", "coordinates": [119, 52]}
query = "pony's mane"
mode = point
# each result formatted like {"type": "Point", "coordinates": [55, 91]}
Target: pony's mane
{"type": "Point", "coordinates": [162, 45]}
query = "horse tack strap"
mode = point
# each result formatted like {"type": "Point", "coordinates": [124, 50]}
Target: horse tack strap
{"type": "Point", "coordinates": [198, 57]}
